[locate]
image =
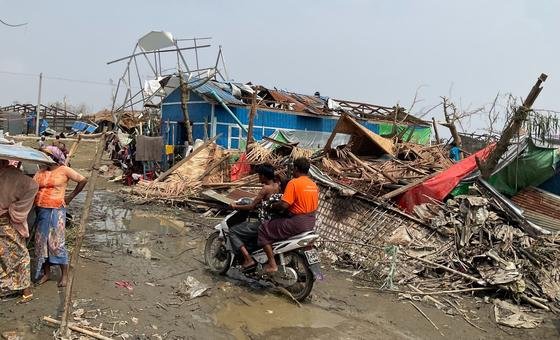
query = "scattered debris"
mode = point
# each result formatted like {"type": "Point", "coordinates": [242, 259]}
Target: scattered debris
{"type": "Point", "coordinates": [192, 288]}
{"type": "Point", "coordinates": [125, 284]}
{"type": "Point", "coordinates": [513, 316]}
{"type": "Point", "coordinates": [12, 335]}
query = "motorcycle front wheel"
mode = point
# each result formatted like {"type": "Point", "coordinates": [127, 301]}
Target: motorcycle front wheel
{"type": "Point", "coordinates": [216, 255]}
{"type": "Point", "coordinates": [305, 279]}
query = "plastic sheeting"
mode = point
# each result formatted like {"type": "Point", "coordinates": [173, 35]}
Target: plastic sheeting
{"type": "Point", "coordinates": [23, 153]}
{"type": "Point", "coordinates": [532, 167]}
{"type": "Point", "coordinates": [306, 139]}
{"type": "Point", "coordinates": [439, 186]}
{"type": "Point", "coordinates": [420, 135]}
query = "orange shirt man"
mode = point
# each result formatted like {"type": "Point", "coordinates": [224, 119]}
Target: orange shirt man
{"type": "Point", "coordinates": [301, 199]}
{"type": "Point", "coordinates": [302, 195]}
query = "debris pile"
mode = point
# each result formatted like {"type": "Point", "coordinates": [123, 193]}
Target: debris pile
{"type": "Point", "coordinates": [206, 165]}
{"type": "Point", "coordinates": [378, 176]}
{"type": "Point", "coordinates": [479, 245]}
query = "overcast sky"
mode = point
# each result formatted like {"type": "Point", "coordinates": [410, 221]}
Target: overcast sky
{"type": "Point", "coordinates": [372, 51]}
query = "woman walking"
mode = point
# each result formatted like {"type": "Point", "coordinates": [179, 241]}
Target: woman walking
{"type": "Point", "coordinates": [16, 199]}
{"type": "Point", "coordinates": [51, 202]}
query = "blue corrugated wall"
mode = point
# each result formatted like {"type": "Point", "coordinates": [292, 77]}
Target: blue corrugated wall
{"type": "Point", "coordinates": [265, 123]}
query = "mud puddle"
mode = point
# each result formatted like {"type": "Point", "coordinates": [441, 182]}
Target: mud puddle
{"type": "Point", "coordinates": [132, 231]}
{"type": "Point", "coordinates": [264, 314]}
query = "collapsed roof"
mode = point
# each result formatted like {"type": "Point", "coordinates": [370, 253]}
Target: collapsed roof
{"type": "Point", "coordinates": [243, 94]}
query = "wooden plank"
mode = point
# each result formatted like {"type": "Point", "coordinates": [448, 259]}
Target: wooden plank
{"type": "Point", "coordinates": [186, 159]}
{"type": "Point", "coordinates": [216, 196]}
{"type": "Point", "coordinates": [407, 187]}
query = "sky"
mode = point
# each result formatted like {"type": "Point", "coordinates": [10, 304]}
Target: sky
{"type": "Point", "coordinates": [380, 52]}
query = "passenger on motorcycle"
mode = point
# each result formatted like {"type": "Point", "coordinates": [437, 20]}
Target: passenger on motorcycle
{"type": "Point", "coordinates": [301, 199]}
{"type": "Point", "coordinates": [246, 232]}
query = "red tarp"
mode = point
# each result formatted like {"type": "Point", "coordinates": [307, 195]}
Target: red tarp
{"type": "Point", "coordinates": [439, 186]}
{"type": "Point", "coordinates": [240, 169]}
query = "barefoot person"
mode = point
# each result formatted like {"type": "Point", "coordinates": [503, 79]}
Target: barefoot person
{"type": "Point", "coordinates": [51, 205]}
{"type": "Point", "coordinates": [246, 232]}
{"type": "Point", "coordinates": [17, 192]}
{"type": "Point", "coordinates": [301, 199]}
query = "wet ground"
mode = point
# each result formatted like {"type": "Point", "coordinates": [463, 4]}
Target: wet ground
{"type": "Point", "coordinates": [130, 284]}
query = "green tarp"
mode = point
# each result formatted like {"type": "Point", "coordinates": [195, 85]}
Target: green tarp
{"type": "Point", "coordinates": [420, 135]}
{"type": "Point", "coordinates": [533, 167]}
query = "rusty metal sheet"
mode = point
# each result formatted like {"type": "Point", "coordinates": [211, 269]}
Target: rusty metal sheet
{"type": "Point", "coordinates": [540, 207]}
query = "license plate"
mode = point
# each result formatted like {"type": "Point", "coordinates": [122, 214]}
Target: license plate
{"type": "Point", "coordinates": [312, 256]}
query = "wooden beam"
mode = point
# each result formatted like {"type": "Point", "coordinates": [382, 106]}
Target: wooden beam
{"type": "Point", "coordinates": [407, 187]}
{"type": "Point", "coordinates": [435, 130]}
{"type": "Point", "coordinates": [252, 113]}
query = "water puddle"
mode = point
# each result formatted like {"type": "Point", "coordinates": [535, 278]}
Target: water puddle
{"type": "Point", "coordinates": [114, 225]}
{"type": "Point", "coordinates": [270, 312]}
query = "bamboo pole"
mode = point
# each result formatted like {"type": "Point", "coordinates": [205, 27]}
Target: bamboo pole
{"type": "Point", "coordinates": [65, 330]}
{"type": "Point", "coordinates": [73, 149]}
{"type": "Point", "coordinates": [73, 327]}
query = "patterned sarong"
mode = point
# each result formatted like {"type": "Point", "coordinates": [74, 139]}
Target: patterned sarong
{"type": "Point", "coordinates": [50, 243]}
{"type": "Point", "coordinates": [15, 272]}
{"type": "Point", "coordinates": [280, 229]}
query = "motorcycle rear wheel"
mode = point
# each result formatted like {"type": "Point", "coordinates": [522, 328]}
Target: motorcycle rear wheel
{"type": "Point", "coordinates": [216, 255]}
{"type": "Point", "coordinates": [305, 279]}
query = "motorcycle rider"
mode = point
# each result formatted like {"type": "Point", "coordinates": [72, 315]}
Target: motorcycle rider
{"type": "Point", "coordinates": [301, 199]}
{"type": "Point", "coordinates": [246, 232]}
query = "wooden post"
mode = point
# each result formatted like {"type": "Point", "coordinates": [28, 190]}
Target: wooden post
{"type": "Point", "coordinates": [38, 107]}
{"type": "Point", "coordinates": [250, 138]}
{"type": "Point", "coordinates": [435, 130]}
{"type": "Point", "coordinates": [54, 118]}
{"type": "Point", "coordinates": [512, 127]}
{"type": "Point", "coordinates": [64, 329]}
{"type": "Point", "coordinates": [184, 104]}
{"type": "Point", "coordinates": [65, 116]}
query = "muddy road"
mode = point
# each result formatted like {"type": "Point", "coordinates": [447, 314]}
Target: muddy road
{"type": "Point", "coordinates": [130, 284]}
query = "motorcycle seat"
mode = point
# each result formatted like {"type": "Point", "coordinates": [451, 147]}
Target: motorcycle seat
{"type": "Point", "coordinates": [307, 233]}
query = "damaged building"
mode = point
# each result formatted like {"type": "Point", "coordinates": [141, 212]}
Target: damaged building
{"type": "Point", "coordinates": [225, 110]}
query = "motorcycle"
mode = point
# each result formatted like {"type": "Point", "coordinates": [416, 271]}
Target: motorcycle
{"type": "Point", "coordinates": [297, 258]}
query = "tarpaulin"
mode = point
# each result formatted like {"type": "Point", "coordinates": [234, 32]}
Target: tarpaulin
{"type": "Point", "coordinates": [532, 167]}
{"type": "Point", "coordinates": [241, 168]}
{"type": "Point", "coordinates": [306, 139]}
{"type": "Point", "coordinates": [23, 153]}
{"type": "Point", "coordinates": [420, 135]}
{"type": "Point", "coordinates": [439, 186]}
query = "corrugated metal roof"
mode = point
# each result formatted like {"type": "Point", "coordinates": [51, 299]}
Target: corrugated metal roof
{"type": "Point", "coordinates": [207, 88]}
{"type": "Point", "coordinates": [540, 207]}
